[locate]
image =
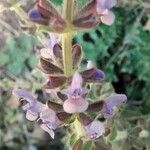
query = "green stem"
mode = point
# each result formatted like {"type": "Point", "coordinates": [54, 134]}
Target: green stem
{"type": "Point", "coordinates": [68, 7]}
{"type": "Point", "coordinates": [68, 10]}
{"type": "Point", "coordinates": [67, 53]}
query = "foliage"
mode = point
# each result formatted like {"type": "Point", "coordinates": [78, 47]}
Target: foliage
{"type": "Point", "coordinates": [18, 55]}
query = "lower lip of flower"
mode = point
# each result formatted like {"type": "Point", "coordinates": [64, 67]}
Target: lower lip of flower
{"type": "Point", "coordinates": [93, 136]}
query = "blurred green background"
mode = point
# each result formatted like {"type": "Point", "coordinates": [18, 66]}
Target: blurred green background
{"type": "Point", "coordinates": [121, 50]}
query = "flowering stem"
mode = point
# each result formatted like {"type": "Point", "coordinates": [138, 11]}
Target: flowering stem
{"type": "Point", "coordinates": [67, 53]}
{"type": "Point", "coordinates": [68, 6]}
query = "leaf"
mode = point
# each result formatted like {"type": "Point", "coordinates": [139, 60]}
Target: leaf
{"type": "Point", "coordinates": [87, 145]}
{"type": "Point", "coordinates": [113, 134]}
{"type": "Point", "coordinates": [72, 139]}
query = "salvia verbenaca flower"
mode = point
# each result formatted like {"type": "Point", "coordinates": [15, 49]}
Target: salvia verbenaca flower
{"type": "Point", "coordinates": [111, 102]}
{"type": "Point", "coordinates": [76, 102]}
{"type": "Point", "coordinates": [38, 111]}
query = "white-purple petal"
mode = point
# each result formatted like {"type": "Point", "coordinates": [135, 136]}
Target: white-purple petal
{"type": "Point", "coordinates": [105, 4]}
{"type": "Point", "coordinates": [21, 93]}
{"type": "Point", "coordinates": [50, 131]}
{"type": "Point", "coordinates": [108, 17]}
{"type": "Point", "coordinates": [32, 116]}
{"type": "Point", "coordinates": [48, 116]}
{"type": "Point", "coordinates": [75, 105]}
{"type": "Point", "coordinates": [76, 81]}
{"type": "Point", "coordinates": [95, 129]}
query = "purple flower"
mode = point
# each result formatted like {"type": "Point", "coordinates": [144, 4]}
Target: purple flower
{"type": "Point", "coordinates": [38, 111]}
{"type": "Point", "coordinates": [103, 9]}
{"type": "Point", "coordinates": [95, 129]}
{"type": "Point", "coordinates": [30, 104]}
{"type": "Point", "coordinates": [75, 102]}
{"type": "Point", "coordinates": [49, 121]}
{"type": "Point", "coordinates": [111, 102]}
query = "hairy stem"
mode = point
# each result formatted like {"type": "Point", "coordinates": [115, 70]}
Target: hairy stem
{"type": "Point", "coordinates": [68, 6]}
{"type": "Point", "coordinates": [67, 53]}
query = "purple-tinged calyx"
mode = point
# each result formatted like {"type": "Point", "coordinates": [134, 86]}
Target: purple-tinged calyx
{"type": "Point", "coordinates": [112, 101]}
{"type": "Point", "coordinates": [75, 102]}
{"type": "Point", "coordinates": [103, 9]}
{"type": "Point", "coordinates": [92, 74]}
{"type": "Point", "coordinates": [44, 13]}
{"type": "Point", "coordinates": [35, 16]}
{"type": "Point", "coordinates": [49, 43]}
{"type": "Point", "coordinates": [87, 17]}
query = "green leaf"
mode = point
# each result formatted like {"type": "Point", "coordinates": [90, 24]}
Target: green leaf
{"type": "Point", "coordinates": [72, 139]}
{"type": "Point", "coordinates": [87, 145]}
{"type": "Point", "coordinates": [113, 133]}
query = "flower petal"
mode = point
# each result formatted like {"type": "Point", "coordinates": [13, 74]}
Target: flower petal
{"type": "Point", "coordinates": [116, 99]}
{"type": "Point", "coordinates": [75, 105]}
{"type": "Point", "coordinates": [48, 130]}
{"type": "Point", "coordinates": [110, 102]}
{"type": "Point", "coordinates": [108, 18]}
{"type": "Point", "coordinates": [32, 116]}
{"type": "Point", "coordinates": [95, 130]}
{"type": "Point", "coordinates": [76, 81]}
{"type": "Point", "coordinates": [48, 116]}
{"type": "Point", "coordinates": [22, 93]}
{"type": "Point", "coordinates": [105, 4]}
